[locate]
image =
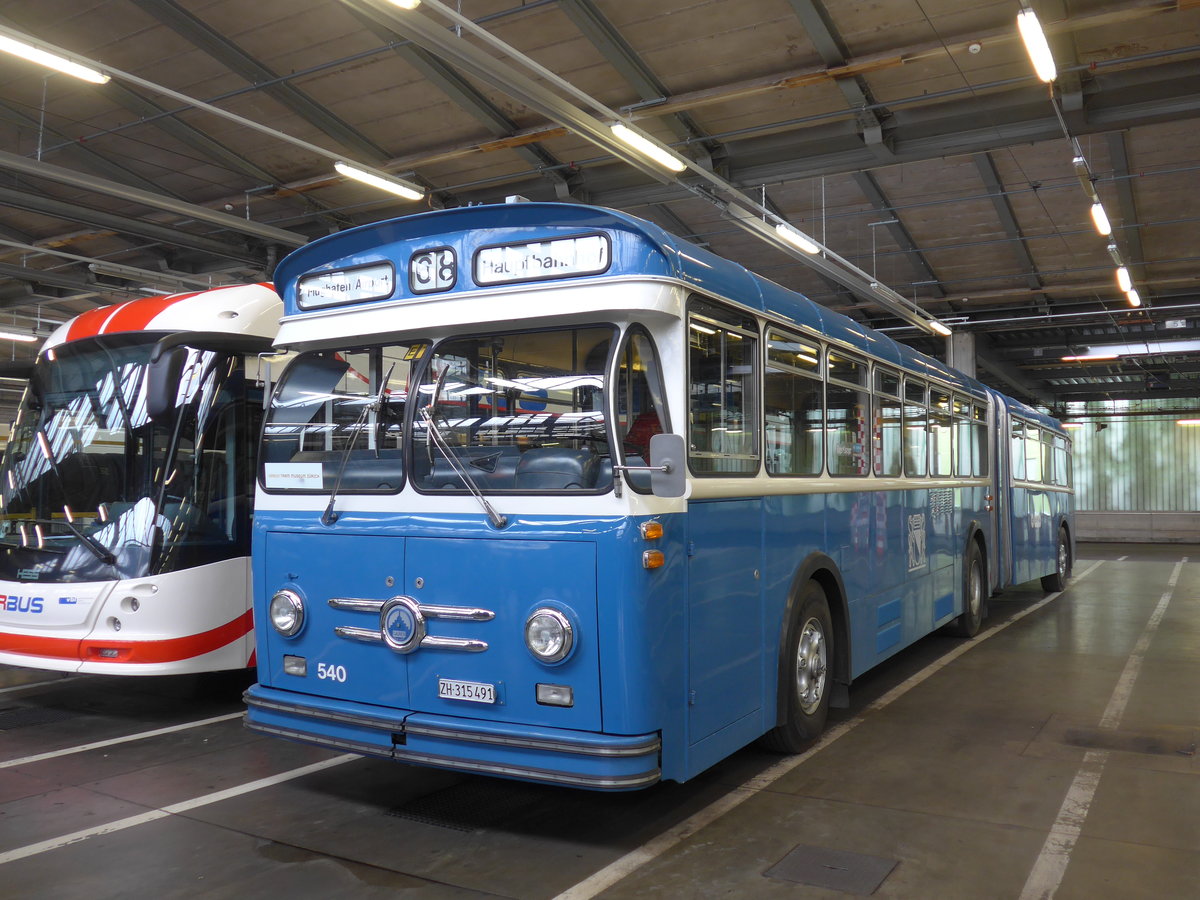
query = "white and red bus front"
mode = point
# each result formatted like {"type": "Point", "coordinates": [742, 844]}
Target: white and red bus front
{"type": "Point", "coordinates": [124, 534]}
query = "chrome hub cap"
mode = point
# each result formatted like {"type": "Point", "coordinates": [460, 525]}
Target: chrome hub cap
{"type": "Point", "coordinates": [811, 665]}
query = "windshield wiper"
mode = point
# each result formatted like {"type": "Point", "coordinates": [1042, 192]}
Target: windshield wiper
{"type": "Point", "coordinates": [434, 438]}
{"type": "Point", "coordinates": [102, 553]}
{"type": "Point", "coordinates": [376, 403]}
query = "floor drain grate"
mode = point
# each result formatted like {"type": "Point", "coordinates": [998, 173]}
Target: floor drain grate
{"type": "Point", "coordinates": [24, 716]}
{"type": "Point", "coordinates": [468, 807]}
{"type": "Point", "coordinates": [851, 873]}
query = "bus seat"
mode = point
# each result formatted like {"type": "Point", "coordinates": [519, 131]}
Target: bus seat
{"type": "Point", "coordinates": [557, 469]}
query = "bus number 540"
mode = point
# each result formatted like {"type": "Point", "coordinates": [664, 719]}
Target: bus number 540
{"type": "Point", "coordinates": [331, 673]}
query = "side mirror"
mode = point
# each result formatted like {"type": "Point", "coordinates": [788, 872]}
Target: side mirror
{"type": "Point", "coordinates": [668, 461]}
{"type": "Point", "coordinates": [162, 382]}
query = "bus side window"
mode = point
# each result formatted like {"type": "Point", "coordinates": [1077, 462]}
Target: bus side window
{"type": "Point", "coordinates": [792, 403]}
{"type": "Point", "coordinates": [889, 429]}
{"type": "Point", "coordinates": [723, 373]}
{"type": "Point", "coordinates": [847, 415]}
{"type": "Point", "coordinates": [915, 417]}
{"type": "Point", "coordinates": [940, 434]}
{"type": "Point", "coordinates": [1018, 450]}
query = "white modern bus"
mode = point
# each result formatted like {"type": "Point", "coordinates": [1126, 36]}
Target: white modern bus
{"type": "Point", "coordinates": [127, 488]}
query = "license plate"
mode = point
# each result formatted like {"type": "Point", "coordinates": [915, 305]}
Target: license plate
{"type": "Point", "coordinates": [475, 691]}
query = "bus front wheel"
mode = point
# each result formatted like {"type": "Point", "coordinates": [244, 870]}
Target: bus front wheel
{"type": "Point", "coordinates": [1062, 565]}
{"type": "Point", "coordinates": [807, 675]}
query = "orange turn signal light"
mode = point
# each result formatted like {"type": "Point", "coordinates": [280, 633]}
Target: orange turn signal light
{"type": "Point", "coordinates": [653, 559]}
{"type": "Point", "coordinates": [651, 531]}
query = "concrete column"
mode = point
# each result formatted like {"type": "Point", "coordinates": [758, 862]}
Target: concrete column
{"type": "Point", "coordinates": [960, 352]}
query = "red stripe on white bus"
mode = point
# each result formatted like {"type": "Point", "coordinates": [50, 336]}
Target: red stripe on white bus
{"type": "Point", "coordinates": [132, 652]}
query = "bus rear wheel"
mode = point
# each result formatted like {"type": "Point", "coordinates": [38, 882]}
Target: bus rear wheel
{"type": "Point", "coordinates": [968, 624]}
{"type": "Point", "coordinates": [807, 675]}
{"type": "Point", "coordinates": [1062, 565]}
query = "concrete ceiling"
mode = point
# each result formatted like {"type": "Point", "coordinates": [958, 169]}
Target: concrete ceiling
{"type": "Point", "coordinates": [910, 136]}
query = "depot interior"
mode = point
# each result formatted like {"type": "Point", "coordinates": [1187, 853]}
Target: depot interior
{"type": "Point", "coordinates": [1046, 218]}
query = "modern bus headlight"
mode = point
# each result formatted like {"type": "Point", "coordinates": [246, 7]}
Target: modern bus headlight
{"type": "Point", "coordinates": [549, 635]}
{"type": "Point", "coordinates": [287, 612]}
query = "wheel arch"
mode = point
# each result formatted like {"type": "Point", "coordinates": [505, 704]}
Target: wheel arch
{"type": "Point", "coordinates": [822, 569]}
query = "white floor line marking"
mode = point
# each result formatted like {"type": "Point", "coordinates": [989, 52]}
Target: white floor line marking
{"type": "Point", "coordinates": [35, 684]}
{"type": "Point", "coordinates": [173, 809]}
{"type": "Point", "coordinates": [96, 745]}
{"type": "Point", "coordinates": [621, 868]}
{"type": "Point", "coordinates": [1051, 865]}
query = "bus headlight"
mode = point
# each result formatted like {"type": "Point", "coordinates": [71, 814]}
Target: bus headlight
{"type": "Point", "coordinates": [549, 635]}
{"type": "Point", "coordinates": [286, 612]}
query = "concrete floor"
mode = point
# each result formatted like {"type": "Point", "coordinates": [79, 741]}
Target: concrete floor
{"type": "Point", "coordinates": [1055, 756]}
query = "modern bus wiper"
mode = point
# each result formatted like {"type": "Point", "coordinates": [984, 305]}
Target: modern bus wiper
{"type": "Point", "coordinates": [434, 437]}
{"type": "Point", "coordinates": [102, 553]}
{"type": "Point", "coordinates": [329, 516]}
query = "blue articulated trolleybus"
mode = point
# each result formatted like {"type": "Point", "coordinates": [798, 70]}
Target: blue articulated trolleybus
{"type": "Point", "coordinates": [551, 494]}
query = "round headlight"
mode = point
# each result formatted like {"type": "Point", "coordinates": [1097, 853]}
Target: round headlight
{"type": "Point", "coordinates": [548, 635]}
{"type": "Point", "coordinates": [287, 612]}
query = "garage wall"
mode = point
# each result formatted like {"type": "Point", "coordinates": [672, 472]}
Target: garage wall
{"type": "Point", "coordinates": [1137, 478]}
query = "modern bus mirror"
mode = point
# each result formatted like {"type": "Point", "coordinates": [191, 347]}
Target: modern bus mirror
{"type": "Point", "coordinates": [162, 382]}
{"type": "Point", "coordinates": [667, 467]}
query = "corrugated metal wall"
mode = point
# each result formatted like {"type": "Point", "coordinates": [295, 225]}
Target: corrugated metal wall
{"type": "Point", "coordinates": [1137, 464]}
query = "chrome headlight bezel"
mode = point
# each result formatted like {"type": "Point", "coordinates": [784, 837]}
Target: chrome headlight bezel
{"type": "Point", "coordinates": [562, 642]}
{"type": "Point", "coordinates": [286, 607]}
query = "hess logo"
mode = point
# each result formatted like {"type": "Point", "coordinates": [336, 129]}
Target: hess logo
{"type": "Point", "coordinates": [15, 603]}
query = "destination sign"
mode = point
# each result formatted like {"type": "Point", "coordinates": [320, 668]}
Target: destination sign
{"type": "Point", "coordinates": [346, 286]}
{"type": "Point", "coordinates": [560, 258]}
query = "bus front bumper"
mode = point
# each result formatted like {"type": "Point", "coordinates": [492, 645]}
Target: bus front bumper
{"type": "Point", "coordinates": [554, 756]}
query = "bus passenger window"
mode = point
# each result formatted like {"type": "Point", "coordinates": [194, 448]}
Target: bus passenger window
{"type": "Point", "coordinates": [722, 356]}
{"type": "Point", "coordinates": [847, 414]}
{"type": "Point", "coordinates": [792, 402]}
{"type": "Point", "coordinates": [888, 425]}
{"type": "Point", "coordinates": [940, 451]}
{"type": "Point", "coordinates": [1018, 450]}
{"type": "Point", "coordinates": [915, 415]}
{"type": "Point", "coordinates": [979, 441]}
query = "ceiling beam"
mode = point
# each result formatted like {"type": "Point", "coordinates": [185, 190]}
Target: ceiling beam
{"type": "Point", "coordinates": [1008, 220]}
{"type": "Point", "coordinates": [629, 65]}
{"type": "Point", "coordinates": [75, 212]}
{"type": "Point", "coordinates": [242, 63]}
{"type": "Point", "coordinates": [94, 184]}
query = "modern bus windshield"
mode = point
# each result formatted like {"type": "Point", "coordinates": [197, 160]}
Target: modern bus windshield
{"type": "Point", "coordinates": [94, 490]}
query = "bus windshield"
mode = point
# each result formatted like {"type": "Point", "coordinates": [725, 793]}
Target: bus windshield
{"type": "Point", "coordinates": [93, 490]}
{"type": "Point", "coordinates": [521, 412]}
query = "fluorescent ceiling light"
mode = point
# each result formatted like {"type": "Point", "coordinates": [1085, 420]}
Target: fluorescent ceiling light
{"type": "Point", "coordinates": [1036, 45]}
{"type": "Point", "coordinates": [648, 148]}
{"type": "Point", "coordinates": [1072, 424]}
{"type": "Point", "coordinates": [1100, 219]}
{"type": "Point", "coordinates": [1187, 421]}
{"type": "Point", "coordinates": [1124, 282]}
{"type": "Point", "coordinates": [939, 328]}
{"type": "Point", "coordinates": [1135, 299]}
{"type": "Point", "coordinates": [796, 238]}
{"type": "Point", "coordinates": [13, 336]}
{"type": "Point", "coordinates": [51, 60]}
{"type": "Point", "coordinates": [1146, 348]}
{"type": "Point", "coordinates": [1091, 357]}
{"type": "Point", "coordinates": [407, 4]}
{"type": "Point", "coordinates": [392, 186]}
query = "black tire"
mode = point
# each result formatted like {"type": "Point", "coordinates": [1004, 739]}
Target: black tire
{"type": "Point", "coordinates": [806, 677]}
{"type": "Point", "coordinates": [968, 624]}
{"type": "Point", "coordinates": [1062, 565]}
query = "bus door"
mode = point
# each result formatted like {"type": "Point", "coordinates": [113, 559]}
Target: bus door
{"type": "Point", "coordinates": [724, 613]}
{"type": "Point", "coordinates": [725, 637]}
